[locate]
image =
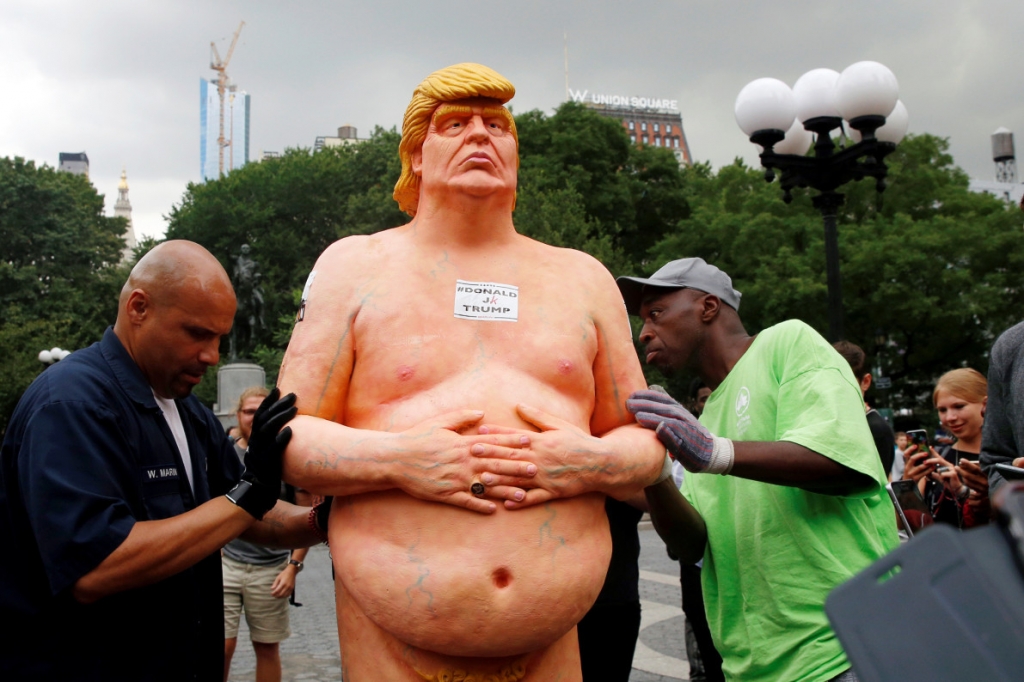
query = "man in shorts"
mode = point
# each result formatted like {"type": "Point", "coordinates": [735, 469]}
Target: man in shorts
{"type": "Point", "coordinates": [259, 579]}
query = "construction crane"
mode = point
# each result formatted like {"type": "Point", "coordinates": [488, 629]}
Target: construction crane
{"type": "Point", "coordinates": [221, 67]}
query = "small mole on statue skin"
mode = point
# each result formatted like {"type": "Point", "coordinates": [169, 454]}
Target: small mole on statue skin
{"type": "Point", "coordinates": [501, 577]}
{"type": "Point", "coordinates": [564, 366]}
{"type": "Point", "coordinates": [404, 372]}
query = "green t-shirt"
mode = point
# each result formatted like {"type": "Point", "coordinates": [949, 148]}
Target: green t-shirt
{"type": "Point", "coordinates": [775, 552]}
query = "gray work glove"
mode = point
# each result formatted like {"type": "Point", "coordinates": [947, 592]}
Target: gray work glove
{"type": "Point", "coordinates": [692, 445]}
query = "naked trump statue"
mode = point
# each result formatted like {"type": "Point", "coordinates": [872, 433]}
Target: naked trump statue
{"type": "Point", "coordinates": [461, 392]}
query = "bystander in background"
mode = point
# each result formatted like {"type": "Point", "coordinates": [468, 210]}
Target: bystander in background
{"type": "Point", "coordinates": [897, 462]}
{"type": "Point", "coordinates": [259, 579]}
{"type": "Point", "coordinates": [1004, 427]}
{"type": "Point", "coordinates": [881, 432]}
{"type": "Point", "coordinates": [950, 477]}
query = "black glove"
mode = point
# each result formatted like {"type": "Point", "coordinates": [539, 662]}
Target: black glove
{"type": "Point", "coordinates": [261, 482]}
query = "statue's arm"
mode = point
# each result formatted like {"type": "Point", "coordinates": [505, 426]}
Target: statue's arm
{"type": "Point", "coordinates": [316, 367]}
{"type": "Point", "coordinates": [634, 459]}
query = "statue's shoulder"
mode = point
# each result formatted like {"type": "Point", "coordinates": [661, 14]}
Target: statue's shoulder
{"type": "Point", "coordinates": [357, 248]}
{"type": "Point", "coordinates": [580, 263]}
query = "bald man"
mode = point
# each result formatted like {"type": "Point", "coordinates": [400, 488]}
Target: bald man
{"type": "Point", "coordinates": [118, 488]}
{"type": "Point", "coordinates": [461, 389]}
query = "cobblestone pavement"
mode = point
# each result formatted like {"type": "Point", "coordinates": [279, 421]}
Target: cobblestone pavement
{"type": "Point", "coordinates": [311, 653]}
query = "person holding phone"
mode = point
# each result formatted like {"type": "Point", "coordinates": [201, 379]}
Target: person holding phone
{"type": "Point", "coordinates": [1003, 437]}
{"type": "Point", "coordinates": [951, 478]}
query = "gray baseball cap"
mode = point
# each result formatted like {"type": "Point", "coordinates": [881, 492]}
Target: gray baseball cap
{"type": "Point", "coordinates": [685, 273]}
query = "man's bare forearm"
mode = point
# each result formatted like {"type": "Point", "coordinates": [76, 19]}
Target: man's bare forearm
{"type": "Point", "coordinates": [677, 522]}
{"type": "Point", "coordinates": [785, 463]}
{"type": "Point", "coordinates": [286, 526]}
{"type": "Point", "coordinates": [155, 550]}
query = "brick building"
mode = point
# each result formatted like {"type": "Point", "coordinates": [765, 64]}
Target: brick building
{"type": "Point", "coordinates": [656, 122]}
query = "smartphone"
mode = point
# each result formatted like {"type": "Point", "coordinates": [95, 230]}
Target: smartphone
{"type": "Point", "coordinates": [1010, 472]}
{"type": "Point", "coordinates": [918, 437]}
{"type": "Point", "coordinates": [911, 509]}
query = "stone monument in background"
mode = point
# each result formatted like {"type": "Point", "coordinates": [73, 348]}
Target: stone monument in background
{"type": "Point", "coordinates": [238, 375]}
{"type": "Point", "coordinates": [246, 277]}
{"type": "Point", "coordinates": [232, 379]}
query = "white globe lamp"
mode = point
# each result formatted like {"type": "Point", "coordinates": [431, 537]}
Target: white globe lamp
{"type": "Point", "coordinates": [896, 124]}
{"type": "Point", "coordinates": [797, 141]}
{"type": "Point", "coordinates": [815, 94]}
{"type": "Point", "coordinates": [866, 93]}
{"type": "Point", "coordinates": [765, 104]}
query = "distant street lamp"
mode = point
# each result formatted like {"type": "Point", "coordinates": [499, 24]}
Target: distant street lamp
{"type": "Point", "coordinates": [48, 357]}
{"type": "Point", "coordinates": [782, 120]}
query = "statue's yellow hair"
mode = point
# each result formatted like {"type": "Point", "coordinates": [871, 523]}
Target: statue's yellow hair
{"type": "Point", "coordinates": [458, 82]}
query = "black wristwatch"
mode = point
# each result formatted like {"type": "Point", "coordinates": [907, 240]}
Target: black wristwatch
{"type": "Point", "coordinates": [254, 498]}
{"type": "Point", "coordinates": [238, 492]}
{"type": "Point", "coordinates": [296, 564]}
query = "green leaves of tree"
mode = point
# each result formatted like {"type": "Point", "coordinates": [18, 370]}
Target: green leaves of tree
{"type": "Point", "coordinates": [59, 269]}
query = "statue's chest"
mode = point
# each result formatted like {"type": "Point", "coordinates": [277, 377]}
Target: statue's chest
{"type": "Point", "coordinates": [476, 325]}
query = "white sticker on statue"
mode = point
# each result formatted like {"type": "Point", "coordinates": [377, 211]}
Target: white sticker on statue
{"type": "Point", "coordinates": [488, 301]}
{"type": "Point", "coordinates": [305, 295]}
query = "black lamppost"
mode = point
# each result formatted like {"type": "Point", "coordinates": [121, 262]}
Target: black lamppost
{"type": "Point", "coordinates": [784, 121]}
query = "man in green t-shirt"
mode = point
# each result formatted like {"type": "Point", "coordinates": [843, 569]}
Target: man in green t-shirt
{"type": "Point", "coordinates": [789, 501]}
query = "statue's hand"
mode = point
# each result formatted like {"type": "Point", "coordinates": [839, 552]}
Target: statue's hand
{"type": "Point", "coordinates": [566, 457]}
{"type": "Point", "coordinates": [437, 463]}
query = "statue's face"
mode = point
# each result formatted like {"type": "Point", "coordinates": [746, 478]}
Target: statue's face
{"type": "Point", "coordinates": [245, 249]}
{"type": "Point", "coordinates": [469, 148]}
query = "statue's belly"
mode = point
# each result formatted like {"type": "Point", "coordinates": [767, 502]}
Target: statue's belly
{"type": "Point", "coordinates": [465, 584]}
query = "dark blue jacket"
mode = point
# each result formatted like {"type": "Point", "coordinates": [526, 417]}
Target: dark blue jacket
{"type": "Point", "coordinates": [88, 453]}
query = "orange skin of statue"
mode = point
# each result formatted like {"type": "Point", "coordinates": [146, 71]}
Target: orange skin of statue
{"type": "Point", "coordinates": [402, 407]}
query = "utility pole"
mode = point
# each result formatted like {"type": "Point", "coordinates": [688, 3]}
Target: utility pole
{"type": "Point", "coordinates": [565, 38]}
{"type": "Point", "coordinates": [231, 143]}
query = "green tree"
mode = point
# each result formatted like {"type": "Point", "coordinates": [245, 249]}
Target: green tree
{"type": "Point", "coordinates": [580, 161]}
{"type": "Point", "coordinates": [60, 269]}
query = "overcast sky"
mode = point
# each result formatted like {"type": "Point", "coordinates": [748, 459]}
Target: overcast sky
{"type": "Point", "coordinates": [120, 79]}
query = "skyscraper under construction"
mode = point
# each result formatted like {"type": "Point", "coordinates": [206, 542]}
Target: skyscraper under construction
{"type": "Point", "coordinates": [236, 129]}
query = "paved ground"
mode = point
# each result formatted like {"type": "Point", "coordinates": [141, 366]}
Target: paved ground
{"type": "Point", "coordinates": [311, 653]}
